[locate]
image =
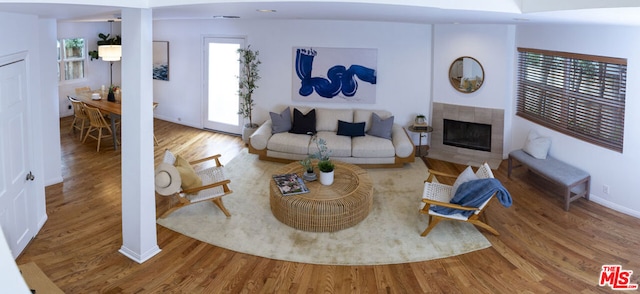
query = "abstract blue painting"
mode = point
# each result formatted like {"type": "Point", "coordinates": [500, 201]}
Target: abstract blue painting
{"type": "Point", "coordinates": [336, 75]}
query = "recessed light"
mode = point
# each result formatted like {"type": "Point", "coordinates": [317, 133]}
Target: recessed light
{"type": "Point", "coordinates": [225, 16]}
{"type": "Point", "coordinates": [265, 10]}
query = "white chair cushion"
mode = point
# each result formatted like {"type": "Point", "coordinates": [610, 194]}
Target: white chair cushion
{"type": "Point", "coordinates": [465, 176]}
{"type": "Point", "coordinates": [536, 145]}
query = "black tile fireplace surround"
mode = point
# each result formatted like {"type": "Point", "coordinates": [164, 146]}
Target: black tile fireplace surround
{"type": "Point", "coordinates": [480, 115]}
{"type": "Point", "coordinates": [469, 135]}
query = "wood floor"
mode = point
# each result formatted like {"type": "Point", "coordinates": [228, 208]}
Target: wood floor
{"type": "Point", "coordinates": [541, 249]}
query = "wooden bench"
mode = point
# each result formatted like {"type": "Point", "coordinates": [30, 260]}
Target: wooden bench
{"type": "Point", "coordinates": [575, 181]}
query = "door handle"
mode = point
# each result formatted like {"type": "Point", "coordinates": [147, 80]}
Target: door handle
{"type": "Point", "coordinates": [30, 176]}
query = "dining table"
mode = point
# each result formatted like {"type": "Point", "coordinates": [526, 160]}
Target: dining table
{"type": "Point", "coordinates": [114, 109]}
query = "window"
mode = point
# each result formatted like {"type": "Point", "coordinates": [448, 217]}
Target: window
{"type": "Point", "coordinates": [582, 96]}
{"type": "Point", "coordinates": [71, 59]}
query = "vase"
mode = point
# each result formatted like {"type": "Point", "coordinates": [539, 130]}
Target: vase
{"type": "Point", "coordinates": [111, 97]}
{"type": "Point", "coordinates": [326, 178]}
{"type": "Point", "coordinates": [247, 131]}
{"type": "Point", "coordinates": [309, 176]}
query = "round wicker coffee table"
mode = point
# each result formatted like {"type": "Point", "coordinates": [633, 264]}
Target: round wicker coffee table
{"type": "Point", "coordinates": [341, 205]}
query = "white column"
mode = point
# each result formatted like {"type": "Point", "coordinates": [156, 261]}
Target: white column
{"type": "Point", "coordinates": [138, 197]}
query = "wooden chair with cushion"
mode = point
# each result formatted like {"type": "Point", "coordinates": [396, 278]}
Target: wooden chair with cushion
{"type": "Point", "coordinates": [155, 105]}
{"type": "Point", "coordinates": [176, 177]}
{"type": "Point", "coordinates": [97, 123]}
{"type": "Point", "coordinates": [79, 116]}
{"type": "Point", "coordinates": [436, 194]}
{"type": "Point", "coordinates": [82, 89]}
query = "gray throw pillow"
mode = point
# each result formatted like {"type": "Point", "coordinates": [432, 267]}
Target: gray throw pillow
{"type": "Point", "coordinates": [380, 127]}
{"type": "Point", "coordinates": [280, 122]}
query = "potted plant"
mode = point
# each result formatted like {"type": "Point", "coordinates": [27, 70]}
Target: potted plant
{"type": "Point", "coordinates": [325, 165]}
{"type": "Point", "coordinates": [111, 97]}
{"type": "Point", "coordinates": [105, 40]}
{"type": "Point", "coordinates": [247, 84]}
{"type": "Point", "coordinates": [309, 174]}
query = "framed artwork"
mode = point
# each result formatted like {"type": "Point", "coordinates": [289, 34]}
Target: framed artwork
{"type": "Point", "coordinates": [334, 75]}
{"type": "Point", "coordinates": [161, 60]}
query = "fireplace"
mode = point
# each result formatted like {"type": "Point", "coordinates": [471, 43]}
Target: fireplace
{"type": "Point", "coordinates": [493, 144]}
{"type": "Point", "coordinates": [469, 135]}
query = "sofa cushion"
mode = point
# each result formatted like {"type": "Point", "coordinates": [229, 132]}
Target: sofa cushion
{"type": "Point", "coordinates": [536, 145]}
{"type": "Point", "coordinates": [371, 146]}
{"type": "Point", "coordinates": [187, 174]}
{"type": "Point", "coordinates": [280, 122]}
{"type": "Point", "coordinates": [289, 143]}
{"type": "Point", "coordinates": [465, 176]}
{"type": "Point", "coordinates": [365, 116]}
{"type": "Point", "coordinates": [350, 129]}
{"type": "Point", "coordinates": [303, 123]}
{"type": "Point", "coordinates": [381, 127]}
{"type": "Point", "coordinates": [340, 146]}
{"type": "Point", "coordinates": [327, 119]}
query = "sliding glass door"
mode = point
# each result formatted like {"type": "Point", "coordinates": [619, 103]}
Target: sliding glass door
{"type": "Point", "coordinates": [222, 69]}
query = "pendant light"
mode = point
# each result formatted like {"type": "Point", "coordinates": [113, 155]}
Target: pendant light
{"type": "Point", "coordinates": [110, 52]}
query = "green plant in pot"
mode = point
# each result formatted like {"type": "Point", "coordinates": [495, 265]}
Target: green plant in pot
{"type": "Point", "coordinates": [249, 76]}
{"type": "Point", "coordinates": [105, 40]}
{"type": "Point", "coordinates": [325, 165]}
{"type": "Point", "coordinates": [309, 174]}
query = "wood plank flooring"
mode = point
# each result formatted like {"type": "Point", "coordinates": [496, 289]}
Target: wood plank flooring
{"type": "Point", "coordinates": [541, 249]}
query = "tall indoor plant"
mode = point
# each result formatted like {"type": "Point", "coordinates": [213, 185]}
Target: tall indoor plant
{"type": "Point", "coordinates": [249, 75]}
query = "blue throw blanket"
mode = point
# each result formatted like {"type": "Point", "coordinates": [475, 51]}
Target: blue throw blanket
{"type": "Point", "coordinates": [474, 193]}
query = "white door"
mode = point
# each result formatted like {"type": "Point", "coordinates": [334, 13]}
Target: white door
{"type": "Point", "coordinates": [16, 192]}
{"type": "Point", "coordinates": [222, 69]}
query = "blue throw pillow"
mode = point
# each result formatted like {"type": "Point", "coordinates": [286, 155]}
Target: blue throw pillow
{"type": "Point", "coordinates": [303, 123]}
{"type": "Point", "coordinates": [280, 122]}
{"type": "Point", "coordinates": [380, 127]}
{"type": "Point", "coordinates": [350, 129]}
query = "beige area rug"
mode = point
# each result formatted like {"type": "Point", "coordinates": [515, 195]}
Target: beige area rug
{"type": "Point", "coordinates": [389, 235]}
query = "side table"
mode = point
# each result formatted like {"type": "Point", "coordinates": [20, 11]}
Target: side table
{"type": "Point", "coordinates": [423, 133]}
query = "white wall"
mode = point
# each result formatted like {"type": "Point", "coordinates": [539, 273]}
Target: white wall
{"type": "Point", "coordinates": [49, 101]}
{"type": "Point", "coordinates": [96, 71]}
{"type": "Point", "coordinates": [493, 47]}
{"type": "Point", "coordinates": [26, 40]}
{"type": "Point", "coordinates": [617, 170]}
{"type": "Point", "coordinates": [404, 52]}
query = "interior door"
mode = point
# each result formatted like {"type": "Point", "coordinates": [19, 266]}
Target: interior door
{"type": "Point", "coordinates": [222, 69]}
{"type": "Point", "coordinates": [16, 219]}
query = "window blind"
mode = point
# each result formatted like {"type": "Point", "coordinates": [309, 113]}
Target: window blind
{"type": "Point", "coordinates": [580, 95]}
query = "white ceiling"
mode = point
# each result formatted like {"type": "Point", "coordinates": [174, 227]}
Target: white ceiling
{"type": "Point", "coordinates": [615, 12]}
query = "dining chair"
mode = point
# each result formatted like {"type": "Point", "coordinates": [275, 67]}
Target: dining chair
{"type": "Point", "coordinates": [154, 135]}
{"type": "Point", "coordinates": [82, 89]}
{"type": "Point", "coordinates": [97, 123]}
{"type": "Point", "coordinates": [79, 116]}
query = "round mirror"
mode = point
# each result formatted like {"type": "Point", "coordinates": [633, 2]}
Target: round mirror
{"type": "Point", "coordinates": [466, 74]}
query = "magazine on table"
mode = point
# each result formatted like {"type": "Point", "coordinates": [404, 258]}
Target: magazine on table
{"type": "Point", "coordinates": [290, 184]}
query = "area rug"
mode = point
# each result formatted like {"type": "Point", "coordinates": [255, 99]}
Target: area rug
{"type": "Point", "coordinates": [389, 235]}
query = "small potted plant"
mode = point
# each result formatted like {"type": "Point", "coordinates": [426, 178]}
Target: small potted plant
{"type": "Point", "coordinates": [111, 97]}
{"type": "Point", "coordinates": [309, 174]}
{"type": "Point", "coordinates": [325, 165]}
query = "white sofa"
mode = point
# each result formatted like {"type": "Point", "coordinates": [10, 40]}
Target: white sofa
{"type": "Point", "coordinates": [367, 150]}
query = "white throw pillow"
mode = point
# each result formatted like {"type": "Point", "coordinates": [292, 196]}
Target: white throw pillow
{"type": "Point", "coordinates": [536, 145]}
{"type": "Point", "coordinates": [466, 175]}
